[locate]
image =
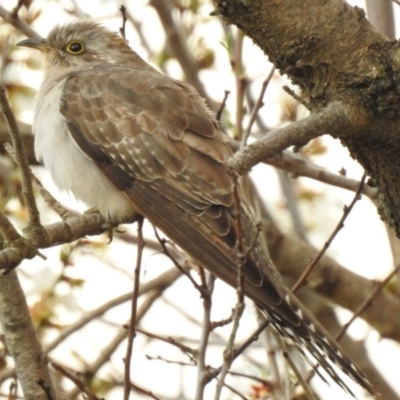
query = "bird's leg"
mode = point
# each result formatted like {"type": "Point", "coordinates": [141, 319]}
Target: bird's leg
{"type": "Point", "coordinates": [106, 225]}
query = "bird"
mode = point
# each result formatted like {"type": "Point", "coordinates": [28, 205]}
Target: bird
{"type": "Point", "coordinates": [130, 142]}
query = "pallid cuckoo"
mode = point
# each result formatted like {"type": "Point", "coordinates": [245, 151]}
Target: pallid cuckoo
{"type": "Point", "coordinates": [128, 141]}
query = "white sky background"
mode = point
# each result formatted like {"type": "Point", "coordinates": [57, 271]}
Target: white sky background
{"type": "Point", "coordinates": [365, 251]}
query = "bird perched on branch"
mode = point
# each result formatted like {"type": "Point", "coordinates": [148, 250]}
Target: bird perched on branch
{"type": "Point", "coordinates": [129, 141]}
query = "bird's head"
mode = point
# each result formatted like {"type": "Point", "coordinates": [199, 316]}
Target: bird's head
{"type": "Point", "coordinates": [81, 45]}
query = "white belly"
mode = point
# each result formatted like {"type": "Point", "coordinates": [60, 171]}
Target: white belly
{"type": "Point", "coordinates": [70, 169]}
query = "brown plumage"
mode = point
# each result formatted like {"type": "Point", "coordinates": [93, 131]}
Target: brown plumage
{"type": "Point", "coordinates": [128, 140]}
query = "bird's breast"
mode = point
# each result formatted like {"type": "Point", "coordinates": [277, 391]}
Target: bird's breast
{"type": "Point", "coordinates": [70, 169]}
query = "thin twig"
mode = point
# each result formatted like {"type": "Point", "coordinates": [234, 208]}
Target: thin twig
{"type": "Point", "coordinates": [27, 191]}
{"type": "Point", "coordinates": [160, 283]}
{"type": "Point", "coordinates": [12, 394]}
{"type": "Point", "coordinates": [233, 390]}
{"type": "Point", "coordinates": [72, 377]}
{"type": "Point", "coordinates": [298, 165]}
{"type": "Point", "coordinates": [368, 301]}
{"type": "Point", "coordinates": [106, 354]}
{"type": "Point", "coordinates": [132, 325]}
{"type": "Point", "coordinates": [258, 105]}
{"type": "Point", "coordinates": [143, 39]}
{"type": "Point", "coordinates": [290, 196]}
{"type": "Point", "coordinates": [271, 344]}
{"type": "Point", "coordinates": [309, 394]}
{"type": "Point", "coordinates": [238, 311]}
{"type": "Point", "coordinates": [262, 127]}
{"type": "Point", "coordinates": [17, 22]}
{"type": "Point", "coordinates": [16, 9]}
{"type": "Point", "coordinates": [222, 322]}
{"type": "Point", "coordinates": [185, 349]}
{"type": "Point", "coordinates": [77, 10]}
{"type": "Point", "coordinates": [237, 352]}
{"type": "Point", "coordinates": [48, 198]}
{"type": "Point", "coordinates": [47, 391]}
{"type": "Point", "coordinates": [215, 372]}
{"type": "Point", "coordinates": [7, 229]}
{"type": "Point", "coordinates": [124, 19]}
{"type": "Point", "coordinates": [237, 66]}
{"type": "Point", "coordinates": [144, 391]}
{"type": "Point", "coordinates": [333, 118]}
{"type": "Point", "coordinates": [252, 338]}
{"type": "Point", "coordinates": [299, 99]}
{"type": "Point", "coordinates": [169, 255]}
{"type": "Point", "coordinates": [194, 321]}
{"type": "Point", "coordinates": [300, 282]}
{"type": "Point", "coordinates": [178, 44]}
{"type": "Point", "coordinates": [223, 104]}
{"type": "Point", "coordinates": [206, 329]}
{"type": "Point", "coordinates": [55, 205]}
{"type": "Point", "coordinates": [254, 378]}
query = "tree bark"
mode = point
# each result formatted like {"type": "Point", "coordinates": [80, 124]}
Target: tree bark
{"type": "Point", "coordinates": [22, 341]}
{"type": "Point", "coordinates": [332, 52]}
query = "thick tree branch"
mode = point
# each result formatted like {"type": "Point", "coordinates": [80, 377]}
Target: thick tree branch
{"type": "Point", "coordinates": [22, 342]}
{"type": "Point", "coordinates": [298, 165]}
{"type": "Point", "coordinates": [333, 54]}
{"type": "Point", "coordinates": [295, 164]}
{"type": "Point", "coordinates": [60, 232]}
{"type": "Point", "coordinates": [332, 72]}
{"type": "Point", "coordinates": [332, 119]}
{"type": "Point", "coordinates": [334, 282]}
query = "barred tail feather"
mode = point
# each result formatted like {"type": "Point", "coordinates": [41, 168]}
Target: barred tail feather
{"type": "Point", "coordinates": [310, 337]}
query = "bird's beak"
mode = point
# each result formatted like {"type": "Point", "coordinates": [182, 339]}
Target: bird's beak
{"type": "Point", "coordinates": [35, 43]}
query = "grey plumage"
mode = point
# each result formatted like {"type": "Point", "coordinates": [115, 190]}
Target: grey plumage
{"type": "Point", "coordinates": [128, 140]}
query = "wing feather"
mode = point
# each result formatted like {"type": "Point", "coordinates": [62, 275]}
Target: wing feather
{"type": "Point", "coordinates": [155, 140]}
{"type": "Point", "coordinates": [185, 169]}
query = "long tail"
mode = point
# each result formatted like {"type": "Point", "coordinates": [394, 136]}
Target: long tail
{"type": "Point", "coordinates": [211, 237]}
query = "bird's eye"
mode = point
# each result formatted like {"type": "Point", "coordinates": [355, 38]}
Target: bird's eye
{"type": "Point", "coordinates": [75, 47]}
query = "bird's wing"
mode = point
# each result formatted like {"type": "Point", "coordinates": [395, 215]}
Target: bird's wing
{"type": "Point", "coordinates": [155, 140]}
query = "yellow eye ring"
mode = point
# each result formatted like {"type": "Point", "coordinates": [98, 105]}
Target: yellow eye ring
{"type": "Point", "coordinates": [75, 47]}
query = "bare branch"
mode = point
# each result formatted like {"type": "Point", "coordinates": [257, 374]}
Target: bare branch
{"type": "Point", "coordinates": [240, 291]}
{"type": "Point", "coordinates": [27, 192]}
{"type": "Point", "coordinates": [206, 329]}
{"type": "Point", "coordinates": [170, 340]}
{"type": "Point", "coordinates": [14, 20]}
{"type": "Point", "coordinates": [329, 279]}
{"type": "Point", "coordinates": [22, 341]}
{"type": "Point", "coordinates": [302, 381]}
{"type": "Point", "coordinates": [332, 119]}
{"type": "Point", "coordinates": [240, 81]}
{"type": "Point", "coordinates": [60, 232]}
{"type": "Point", "coordinates": [179, 47]}
{"type": "Point", "coordinates": [144, 391]}
{"type": "Point", "coordinates": [78, 382]}
{"type": "Point", "coordinates": [257, 107]}
{"type": "Point", "coordinates": [122, 9]}
{"type": "Point", "coordinates": [160, 283]}
{"type": "Point", "coordinates": [222, 107]}
{"type": "Point", "coordinates": [339, 226]}
{"type": "Point", "coordinates": [298, 165]}
{"type": "Point", "coordinates": [176, 263]}
{"type": "Point", "coordinates": [368, 301]}
{"type": "Point", "coordinates": [132, 324]}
